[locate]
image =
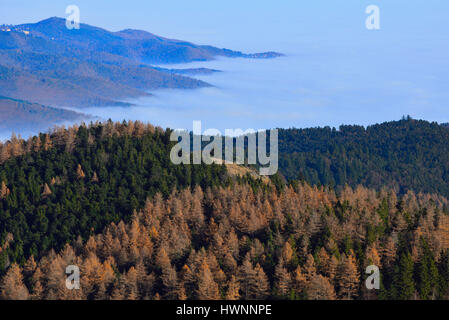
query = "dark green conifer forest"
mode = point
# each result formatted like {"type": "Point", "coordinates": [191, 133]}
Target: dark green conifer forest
{"type": "Point", "coordinates": [106, 197]}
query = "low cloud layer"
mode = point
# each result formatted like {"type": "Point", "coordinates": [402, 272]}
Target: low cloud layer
{"type": "Point", "coordinates": [331, 85]}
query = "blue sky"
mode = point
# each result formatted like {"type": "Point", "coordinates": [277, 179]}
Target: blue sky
{"type": "Point", "coordinates": [336, 71]}
{"type": "Point", "coordinates": [249, 24]}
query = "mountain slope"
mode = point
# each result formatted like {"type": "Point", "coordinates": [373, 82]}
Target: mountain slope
{"type": "Point", "coordinates": [77, 82]}
{"type": "Point", "coordinates": [405, 155]}
{"type": "Point", "coordinates": [240, 243]}
{"type": "Point", "coordinates": [74, 182]}
{"type": "Point", "coordinates": [199, 243]}
{"type": "Point", "coordinates": [137, 45]}
{"type": "Point", "coordinates": [108, 199]}
{"type": "Point", "coordinates": [32, 116]}
{"type": "Point", "coordinates": [49, 64]}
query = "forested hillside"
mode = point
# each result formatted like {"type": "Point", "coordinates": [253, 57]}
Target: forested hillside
{"type": "Point", "coordinates": [236, 243]}
{"type": "Point", "coordinates": [74, 182]}
{"type": "Point", "coordinates": [107, 198]}
{"type": "Point", "coordinates": [31, 116]}
{"type": "Point", "coordinates": [404, 155]}
{"type": "Point", "coordinates": [49, 64]}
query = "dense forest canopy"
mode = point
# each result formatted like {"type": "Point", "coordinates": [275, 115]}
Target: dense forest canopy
{"type": "Point", "coordinates": [107, 198]}
{"type": "Point", "coordinates": [235, 243]}
{"type": "Point", "coordinates": [55, 187]}
{"type": "Point", "coordinates": [403, 155]}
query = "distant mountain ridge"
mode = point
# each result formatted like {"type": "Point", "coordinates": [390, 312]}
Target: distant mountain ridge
{"type": "Point", "coordinates": [133, 44]}
{"type": "Point", "coordinates": [403, 155]}
{"type": "Point", "coordinates": [31, 116]}
{"type": "Point", "coordinates": [49, 64]}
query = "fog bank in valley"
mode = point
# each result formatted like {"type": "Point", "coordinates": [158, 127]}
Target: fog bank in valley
{"type": "Point", "coordinates": [317, 86]}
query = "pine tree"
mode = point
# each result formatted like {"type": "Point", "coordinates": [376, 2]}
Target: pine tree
{"type": "Point", "coordinates": [37, 144]}
{"type": "Point", "coordinates": [170, 282]}
{"type": "Point", "coordinates": [47, 142]}
{"type": "Point", "coordinates": [182, 292]}
{"type": "Point", "coordinates": [299, 281]}
{"type": "Point", "coordinates": [207, 287]}
{"type": "Point", "coordinates": [309, 268]}
{"type": "Point", "coordinates": [35, 282]}
{"type": "Point", "coordinates": [347, 277]}
{"type": "Point", "coordinates": [253, 281]}
{"type": "Point", "coordinates": [246, 278]}
{"type": "Point", "coordinates": [4, 153]}
{"type": "Point", "coordinates": [4, 191]}
{"type": "Point", "coordinates": [260, 286]}
{"type": "Point", "coordinates": [443, 269]}
{"type": "Point", "coordinates": [47, 191]}
{"type": "Point", "coordinates": [287, 253]}
{"type": "Point", "coordinates": [233, 289]}
{"type": "Point", "coordinates": [12, 286]}
{"type": "Point", "coordinates": [79, 172]}
{"type": "Point", "coordinates": [403, 283]}
{"type": "Point", "coordinates": [427, 274]}
{"type": "Point", "coordinates": [101, 293]}
{"type": "Point", "coordinates": [282, 280]}
{"type": "Point", "coordinates": [94, 177]}
{"type": "Point", "coordinates": [319, 288]}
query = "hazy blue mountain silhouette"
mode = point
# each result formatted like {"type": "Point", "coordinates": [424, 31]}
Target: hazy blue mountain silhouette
{"type": "Point", "coordinates": [134, 44]}
{"type": "Point", "coordinates": [22, 116]}
{"type": "Point", "coordinates": [49, 64]}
